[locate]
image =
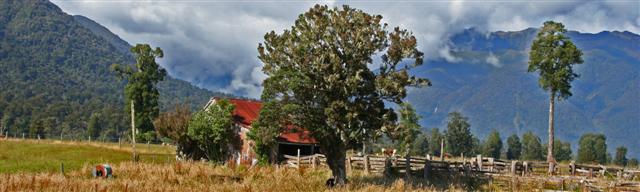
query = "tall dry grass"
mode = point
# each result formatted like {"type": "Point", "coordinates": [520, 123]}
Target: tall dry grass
{"type": "Point", "coordinates": [198, 177]}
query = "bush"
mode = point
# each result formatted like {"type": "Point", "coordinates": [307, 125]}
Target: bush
{"type": "Point", "coordinates": [214, 132]}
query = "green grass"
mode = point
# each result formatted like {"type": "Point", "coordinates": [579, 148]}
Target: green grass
{"type": "Point", "coordinates": [47, 156]}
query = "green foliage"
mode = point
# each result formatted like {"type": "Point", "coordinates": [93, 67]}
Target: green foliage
{"type": "Point", "coordinates": [493, 145]}
{"type": "Point", "coordinates": [319, 77]}
{"type": "Point", "coordinates": [420, 146]}
{"type": "Point", "coordinates": [514, 147]}
{"type": "Point", "coordinates": [621, 156]}
{"type": "Point", "coordinates": [174, 125]}
{"type": "Point", "coordinates": [54, 69]}
{"type": "Point", "coordinates": [407, 131]}
{"type": "Point", "coordinates": [141, 86]}
{"type": "Point", "coordinates": [562, 150]}
{"type": "Point", "coordinates": [36, 129]}
{"type": "Point", "coordinates": [458, 135]}
{"type": "Point", "coordinates": [553, 56]}
{"type": "Point", "coordinates": [94, 126]}
{"type": "Point", "coordinates": [435, 138]}
{"type": "Point", "coordinates": [592, 149]}
{"type": "Point", "coordinates": [214, 132]}
{"type": "Point", "coordinates": [531, 147]}
{"type": "Point", "coordinates": [633, 162]}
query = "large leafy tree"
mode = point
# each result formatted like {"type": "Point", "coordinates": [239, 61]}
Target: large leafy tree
{"type": "Point", "coordinates": [435, 138]}
{"type": "Point", "coordinates": [493, 145]}
{"type": "Point", "coordinates": [174, 125]}
{"type": "Point", "coordinates": [141, 88]}
{"type": "Point", "coordinates": [553, 55]}
{"type": "Point", "coordinates": [420, 146]}
{"type": "Point", "coordinates": [514, 147]}
{"type": "Point", "coordinates": [621, 156]}
{"type": "Point", "coordinates": [458, 135]}
{"type": "Point", "coordinates": [214, 132]}
{"type": "Point", "coordinates": [322, 76]}
{"type": "Point", "coordinates": [592, 149]}
{"type": "Point", "coordinates": [562, 150]}
{"type": "Point", "coordinates": [531, 147]}
{"type": "Point", "coordinates": [94, 126]}
{"type": "Point", "coordinates": [407, 130]}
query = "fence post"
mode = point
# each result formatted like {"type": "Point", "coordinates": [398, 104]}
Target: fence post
{"type": "Point", "coordinates": [407, 166]}
{"type": "Point", "coordinates": [89, 139]}
{"type": "Point", "coordinates": [479, 162]}
{"type": "Point", "coordinates": [366, 164]}
{"type": "Point", "coordinates": [619, 174]}
{"type": "Point", "coordinates": [38, 138]}
{"type": "Point", "coordinates": [298, 159]}
{"type": "Point", "coordinates": [513, 167]}
{"type": "Point", "coordinates": [313, 161]}
{"type": "Point", "coordinates": [491, 165]}
{"type": "Point", "coordinates": [572, 167]}
{"type": "Point", "coordinates": [62, 168]}
{"type": "Point", "coordinates": [119, 142]}
{"type": "Point", "coordinates": [22, 136]}
{"type": "Point", "coordinates": [441, 149]}
{"type": "Point", "coordinates": [349, 163]}
{"type": "Point", "coordinates": [427, 166]}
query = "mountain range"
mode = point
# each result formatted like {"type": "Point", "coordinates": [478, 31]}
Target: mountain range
{"type": "Point", "coordinates": [485, 78]}
{"type": "Point", "coordinates": [54, 74]}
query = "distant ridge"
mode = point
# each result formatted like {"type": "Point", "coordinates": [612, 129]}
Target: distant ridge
{"type": "Point", "coordinates": [499, 94]}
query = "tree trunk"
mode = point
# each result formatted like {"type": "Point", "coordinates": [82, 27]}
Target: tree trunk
{"type": "Point", "coordinates": [550, 158]}
{"type": "Point", "coordinates": [336, 156]}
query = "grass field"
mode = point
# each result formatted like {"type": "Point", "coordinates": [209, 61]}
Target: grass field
{"type": "Point", "coordinates": [48, 155]}
{"type": "Point", "coordinates": [31, 165]}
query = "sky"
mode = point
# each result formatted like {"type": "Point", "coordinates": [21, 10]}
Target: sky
{"type": "Point", "coordinates": [213, 43]}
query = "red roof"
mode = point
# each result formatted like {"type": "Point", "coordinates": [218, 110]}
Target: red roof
{"type": "Point", "coordinates": [247, 111]}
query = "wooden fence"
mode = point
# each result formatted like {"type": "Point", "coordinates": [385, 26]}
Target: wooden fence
{"type": "Point", "coordinates": [478, 164]}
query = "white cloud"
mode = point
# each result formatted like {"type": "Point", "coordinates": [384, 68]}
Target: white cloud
{"type": "Point", "coordinates": [445, 52]}
{"type": "Point", "coordinates": [213, 43]}
{"type": "Point", "coordinates": [493, 60]}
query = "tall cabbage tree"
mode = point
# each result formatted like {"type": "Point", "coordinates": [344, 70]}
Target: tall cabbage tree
{"type": "Point", "coordinates": [553, 55]}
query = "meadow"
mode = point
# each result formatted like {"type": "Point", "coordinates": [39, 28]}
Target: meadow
{"type": "Point", "coordinates": [24, 156]}
{"type": "Point", "coordinates": [32, 165]}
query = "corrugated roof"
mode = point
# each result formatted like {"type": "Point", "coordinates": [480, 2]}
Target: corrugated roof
{"type": "Point", "coordinates": [247, 111]}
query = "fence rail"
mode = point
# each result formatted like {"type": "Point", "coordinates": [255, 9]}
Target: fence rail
{"type": "Point", "coordinates": [478, 164]}
{"type": "Point", "coordinates": [73, 137]}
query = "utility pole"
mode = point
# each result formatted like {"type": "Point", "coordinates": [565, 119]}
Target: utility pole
{"type": "Point", "coordinates": [133, 130]}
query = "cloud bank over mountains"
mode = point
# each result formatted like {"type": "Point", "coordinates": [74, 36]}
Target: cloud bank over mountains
{"type": "Point", "coordinates": [213, 43]}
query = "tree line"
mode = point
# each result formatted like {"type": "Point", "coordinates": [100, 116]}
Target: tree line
{"type": "Point", "coordinates": [458, 141]}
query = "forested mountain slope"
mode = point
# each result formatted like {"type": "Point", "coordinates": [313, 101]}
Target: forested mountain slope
{"type": "Point", "coordinates": [54, 73]}
{"type": "Point", "coordinates": [488, 82]}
